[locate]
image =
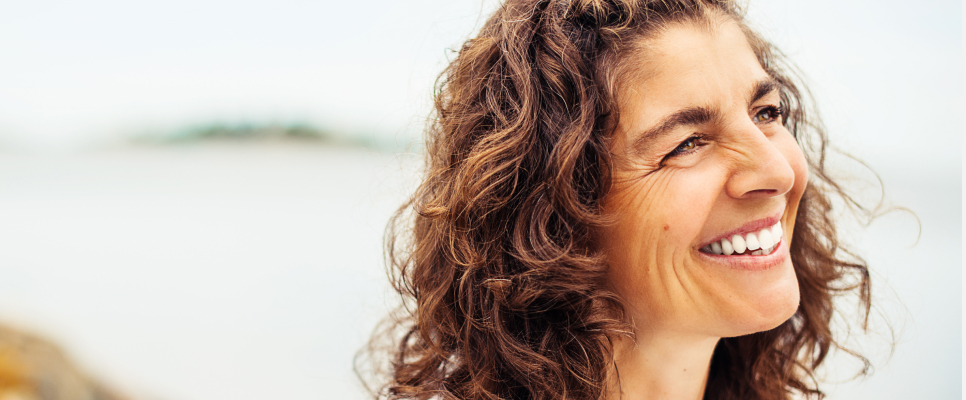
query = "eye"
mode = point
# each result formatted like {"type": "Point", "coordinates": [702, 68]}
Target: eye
{"type": "Point", "coordinates": [767, 114]}
{"type": "Point", "coordinates": [687, 146]}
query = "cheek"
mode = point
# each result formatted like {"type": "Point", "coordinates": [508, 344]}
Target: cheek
{"type": "Point", "coordinates": [657, 218]}
{"type": "Point", "coordinates": [634, 203]}
{"type": "Point", "coordinates": [655, 210]}
{"type": "Point", "coordinates": [796, 159]}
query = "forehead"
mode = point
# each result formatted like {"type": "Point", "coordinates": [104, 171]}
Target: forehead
{"type": "Point", "coordinates": [688, 65]}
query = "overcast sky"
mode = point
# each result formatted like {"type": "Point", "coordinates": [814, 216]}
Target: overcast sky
{"type": "Point", "coordinates": [888, 76]}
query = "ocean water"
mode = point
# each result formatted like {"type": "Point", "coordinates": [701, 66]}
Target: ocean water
{"type": "Point", "coordinates": [241, 271]}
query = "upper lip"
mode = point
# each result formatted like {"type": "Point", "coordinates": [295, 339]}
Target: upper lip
{"type": "Point", "coordinates": [752, 226]}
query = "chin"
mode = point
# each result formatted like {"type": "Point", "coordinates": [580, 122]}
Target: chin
{"type": "Point", "coordinates": [771, 310]}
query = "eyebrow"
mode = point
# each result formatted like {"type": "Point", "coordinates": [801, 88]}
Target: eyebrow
{"type": "Point", "coordinates": [698, 115]}
{"type": "Point", "coordinates": [687, 116]}
{"type": "Point", "coordinates": [764, 87]}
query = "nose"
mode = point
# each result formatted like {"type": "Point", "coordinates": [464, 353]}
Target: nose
{"type": "Point", "coordinates": [761, 169]}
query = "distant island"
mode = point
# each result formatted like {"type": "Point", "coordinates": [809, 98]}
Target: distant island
{"type": "Point", "coordinates": [248, 132]}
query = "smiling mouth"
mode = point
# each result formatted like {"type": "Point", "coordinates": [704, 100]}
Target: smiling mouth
{"type": "Point", "coordinates": [759, 243]}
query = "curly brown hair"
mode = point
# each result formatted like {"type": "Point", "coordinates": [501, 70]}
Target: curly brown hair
{"type": "Point", "coordinates": [495, 256]}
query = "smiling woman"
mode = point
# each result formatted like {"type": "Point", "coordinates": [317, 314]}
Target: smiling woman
{"type": "Point", "coordinates": [697, 197]}
{"type": "Point", "coordinates": [618, 204]}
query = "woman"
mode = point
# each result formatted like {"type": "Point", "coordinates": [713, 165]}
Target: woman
{"type": "Point", "coordinates": [625, 199]}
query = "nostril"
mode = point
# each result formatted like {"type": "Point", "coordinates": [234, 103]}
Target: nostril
{"type": "Point", "coordinates": [768, 192]}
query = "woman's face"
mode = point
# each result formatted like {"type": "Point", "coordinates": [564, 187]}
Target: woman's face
{"type": "Point", "coordinates": [702, 156]}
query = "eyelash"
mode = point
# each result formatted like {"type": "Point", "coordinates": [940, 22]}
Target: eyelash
{"type": "Point", "coordinates": [775, 111]}
{"type": "Point", "coordinates": [695, 140]}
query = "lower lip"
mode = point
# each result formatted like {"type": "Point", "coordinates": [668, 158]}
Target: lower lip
{"type": "Point", "coordinates": [749, 262]}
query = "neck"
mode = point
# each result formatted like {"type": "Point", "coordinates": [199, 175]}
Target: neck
{"type": "Point", "coordinates": [664, 365]}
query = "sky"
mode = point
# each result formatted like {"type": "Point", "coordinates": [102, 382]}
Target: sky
{"type": "Point", "coordinates": [887, 76]}
{"type": "Point", "coordinates": [75, 72]}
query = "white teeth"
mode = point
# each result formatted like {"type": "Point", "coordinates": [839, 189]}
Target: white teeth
{"type": "Point", "coordinates": [716, 248]}
{"type": "Point", "coordinates": [757, 243]}
{"type": "Point", "coordinates": [765, 239]}
{"type": "Point", "coordinates": [738, 243]}
{"type": "Point", "coordinates": [751, 241]}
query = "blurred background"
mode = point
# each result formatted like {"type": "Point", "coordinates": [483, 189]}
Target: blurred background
{"type": "Point", "coordinates": [193, 193]}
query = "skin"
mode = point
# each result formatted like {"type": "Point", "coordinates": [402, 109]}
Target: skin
{"type": "Point", "coordinates": [673, 194]}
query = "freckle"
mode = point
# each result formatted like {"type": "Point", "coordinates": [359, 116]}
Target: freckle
{"type": "Point", "coordinates": [666, 227]}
